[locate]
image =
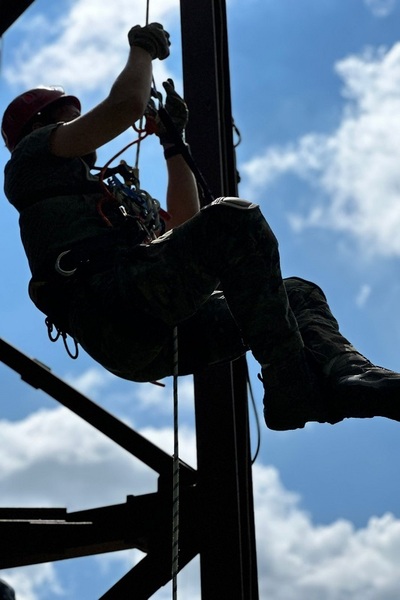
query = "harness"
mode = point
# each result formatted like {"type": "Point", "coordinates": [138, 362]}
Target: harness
{"type": "Point", "coordinates": [132, 217]}
{"type": "Point", "coordinates": [131, 202]}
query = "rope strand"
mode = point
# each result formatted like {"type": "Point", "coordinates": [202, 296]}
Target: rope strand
{"type": "Point", "coordinates": [175, 476]}
{"type": "Point", "coordinates": [141, 118]}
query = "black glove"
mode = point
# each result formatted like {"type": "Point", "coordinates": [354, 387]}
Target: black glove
{"type": "Point", "coordinates": [153, 38]}
{"type": "Point", "coordinates": [178, 114]}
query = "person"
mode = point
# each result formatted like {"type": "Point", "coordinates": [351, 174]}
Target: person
{"type": "Point", "coordinates": [121, 283]}
{"type": "Point", "coordinates": [6, 591]}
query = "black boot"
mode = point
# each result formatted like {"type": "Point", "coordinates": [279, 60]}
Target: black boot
{"type": "Point", "coordinates": [293, 394]}
{"type": "Point", "coordinates": [296, 393]}
{"type": "Point", "coordinates": [362, 390]}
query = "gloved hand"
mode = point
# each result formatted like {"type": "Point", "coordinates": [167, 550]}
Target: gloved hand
{"type": "Point", "coordinates": [178, 113]}
{"type": "Point", "coordinates": [153, 38]}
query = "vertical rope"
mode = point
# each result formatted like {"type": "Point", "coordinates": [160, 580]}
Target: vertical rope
{"type": "Point", "coordinates": [175, 461]}
{"type": "Point", "coordinates": [175, 477]}
{"type": "Point", "coordinates": [141, 118]}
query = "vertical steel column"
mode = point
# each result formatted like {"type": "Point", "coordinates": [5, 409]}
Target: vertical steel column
{"type": "Point", "coordinates": [227, 545]}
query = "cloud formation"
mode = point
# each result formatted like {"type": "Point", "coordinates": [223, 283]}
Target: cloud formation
{"type": "Point", "coordinates": [380, 8]}
{"type": "Point", "coordinates": [30, 583]}
{"type": "Point", "coordinates": [82, 48]}
{"type": "Point", "coordinates": [52, 458]}
{"type": "Point", "coordinates": [353, 172]}
{"type": "Point", "coordinates": [300, 560]}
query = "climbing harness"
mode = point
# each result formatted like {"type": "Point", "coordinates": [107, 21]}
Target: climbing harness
{"type": "Point", "coordinates": [131, 201]}
{"type": "Point", "coordinates": [134, 204]}
{"type": "Point", "coordinates": [129, 212]}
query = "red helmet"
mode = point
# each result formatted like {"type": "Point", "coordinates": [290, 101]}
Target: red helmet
{"type": "Point", "coordinates": [24, 107]}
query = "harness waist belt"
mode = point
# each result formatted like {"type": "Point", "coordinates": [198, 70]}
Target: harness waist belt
{"type": "Point", "coordinates": [87, 256]}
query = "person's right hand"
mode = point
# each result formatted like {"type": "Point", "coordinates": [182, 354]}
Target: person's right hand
{"type": "Point", "coordinates": [177, 111]}
{"type": "Point", "coordinates": [153, 38]}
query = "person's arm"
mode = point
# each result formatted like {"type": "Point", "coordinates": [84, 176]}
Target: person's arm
{"type": "Point", "coordinates": [125, 103]}
{"type": "Point", "coordinates": [182, 194]}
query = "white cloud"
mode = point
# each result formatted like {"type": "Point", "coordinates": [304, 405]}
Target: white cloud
{"type": "Point", "coordinates": [354, 172]}
{"type": "Point", "coordinates": [51, 458]}
{"type": "Point", "coordinates": [29, 582]}
{"type": "Point", "coordinates": [298, 559]}
{"type": "Point", "coordinates": [91, 382]}
{"type": "Point", "coordinates": [84, 48]}
{"type": "Point", "coordinates": [159, 398]}
{"type": "Point", "coordinates": [381, 8]}
{"type": "Point", "coordinates": [156, 398]}
{"type": "Point", "coordinates": [54, 458]}
{"type": "Point", "coordinates": [363, 295]}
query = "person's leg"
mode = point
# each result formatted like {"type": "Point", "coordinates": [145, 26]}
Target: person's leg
{"type": "Point", "coordinates": [210, 336]}
{"type": "Point", "coordinates": [158, 286]}
{"type": "Point", "coordinates": [228, 243]}
{"type": "Point", "coordinates": [318, 327]}
{"type": "Point", "coordinates": [352, 386]}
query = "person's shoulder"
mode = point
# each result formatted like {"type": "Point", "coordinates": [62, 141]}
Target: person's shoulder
{"type": "Point", "coordinates": [33, 150]}
{"type": "Point", "coordinates": [38, 141]}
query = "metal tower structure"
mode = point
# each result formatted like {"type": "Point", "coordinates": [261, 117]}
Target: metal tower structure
{"type": "Point", "coordinates": [10, 11]}
{"type": "Point", "coordinates": [220, 392]}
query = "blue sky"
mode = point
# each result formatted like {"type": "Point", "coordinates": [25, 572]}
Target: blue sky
{"type": "Point", "coordinates": [316, 96]}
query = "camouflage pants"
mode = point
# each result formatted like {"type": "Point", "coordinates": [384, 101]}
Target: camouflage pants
{"type": "Point", "coordinates": [124, 317]}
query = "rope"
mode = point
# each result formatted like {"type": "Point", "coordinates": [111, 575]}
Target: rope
{"type": "Point", "coordinates": [141, 119]}
{"type": "Point", "coordinates": [255, 413]}
{"type": "Point", "coordinates": [175, 461]}
{"type": "Point", "coordinates": [107, 194]}
{"type": "Point", "coordinates": [175, 476]}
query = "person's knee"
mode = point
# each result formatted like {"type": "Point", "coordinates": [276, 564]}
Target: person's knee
{"type": "Point", "coordinates": [243, 223]}
{"type": "Point", "coordinates": [304, 287]}
{"type": "Point", "coordinates": [233, 202]}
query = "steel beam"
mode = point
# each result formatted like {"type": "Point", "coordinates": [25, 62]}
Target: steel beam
{"type": "Point", "coordinates": [40, 377]}
{"type": "Point", "coordinates": [228, 551]}
{"type": "Point", "coordinates": [10, 11]}
{"type": "Point", "coordinates": [34, 535]}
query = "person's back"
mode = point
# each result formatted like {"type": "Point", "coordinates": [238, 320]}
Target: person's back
{"type": "Point", "coordinates": [55, 197]}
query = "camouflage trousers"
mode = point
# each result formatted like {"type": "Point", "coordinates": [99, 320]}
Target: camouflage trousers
{"type": "Point", "coordinates": [125, 316]}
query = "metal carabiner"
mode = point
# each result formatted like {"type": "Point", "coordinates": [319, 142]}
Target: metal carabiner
{"type": "Point", "coordinates": [58, 267]}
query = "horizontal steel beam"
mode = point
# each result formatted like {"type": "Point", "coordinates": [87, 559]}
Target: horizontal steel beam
{"type": "Point", "coordinates": [40, 377]}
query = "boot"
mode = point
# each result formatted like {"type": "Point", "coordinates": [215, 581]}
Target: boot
{"type": "Point", "coordinates": [362, 390]}
{"type": "Point", "coordinates": [293, 394]}
{"type": "Point", "coordinates": [350, 387]}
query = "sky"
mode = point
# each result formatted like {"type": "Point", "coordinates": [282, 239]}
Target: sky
{"type": "Point", "coordinates": [316, 97]}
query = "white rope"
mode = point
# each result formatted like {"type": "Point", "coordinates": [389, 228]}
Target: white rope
{"type": "Point", "coordinates": [175, 476]}
{"type": "Point", "coordinates": [141, 118]}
